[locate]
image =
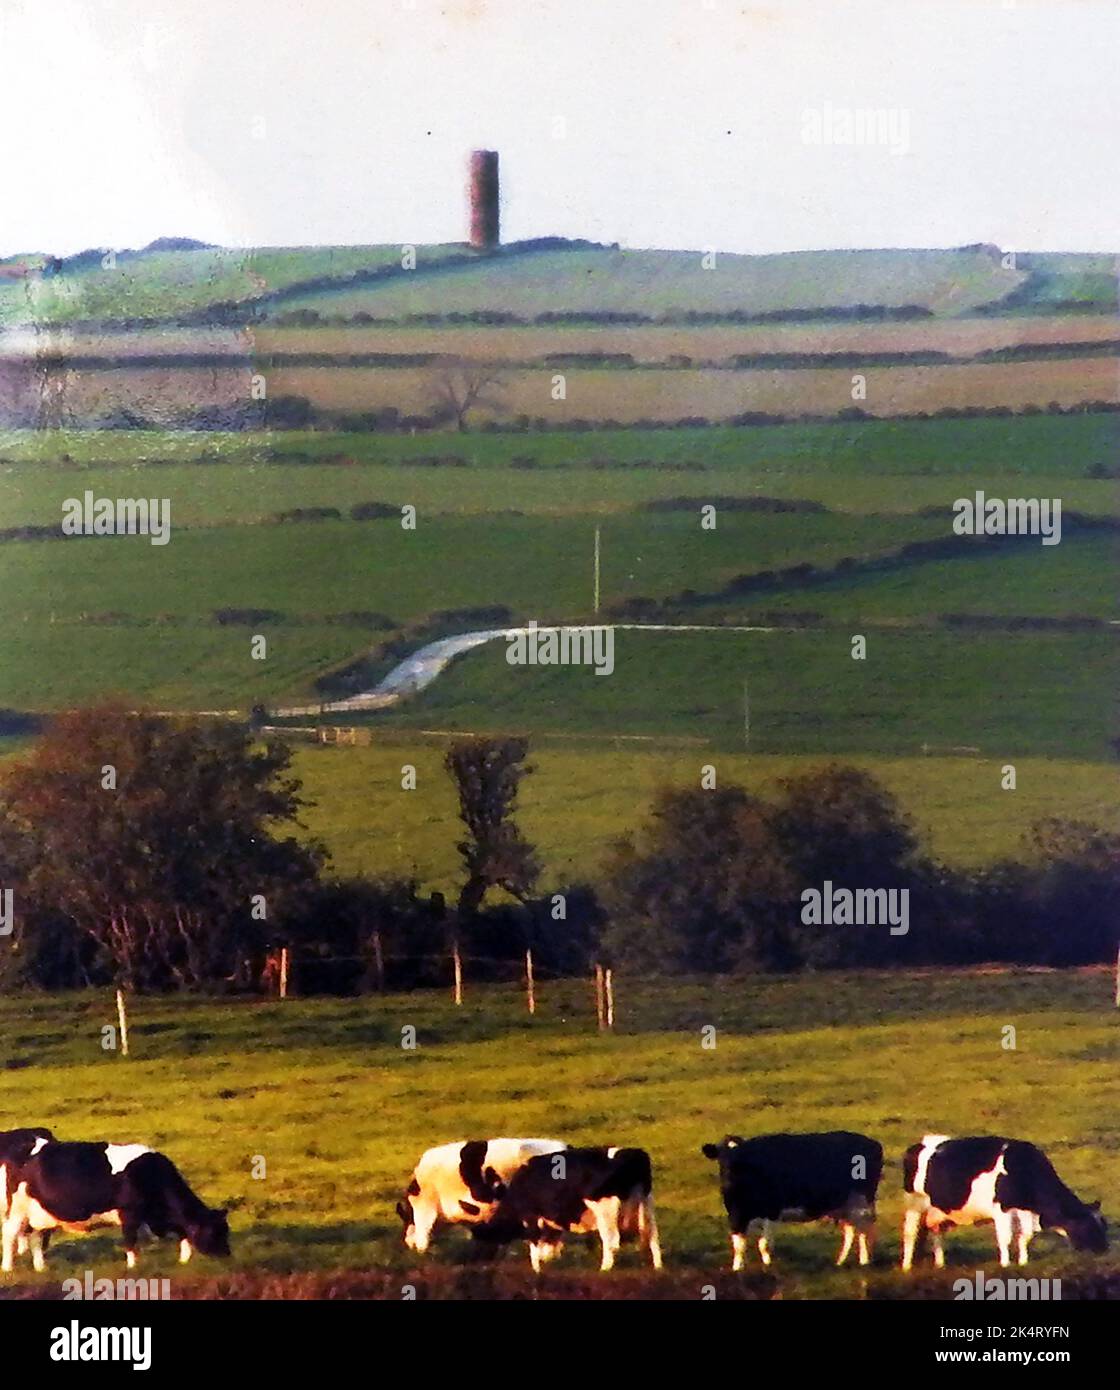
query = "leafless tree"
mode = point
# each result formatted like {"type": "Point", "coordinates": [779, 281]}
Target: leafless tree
{"type": "Point", "coordinates": [462, 386]}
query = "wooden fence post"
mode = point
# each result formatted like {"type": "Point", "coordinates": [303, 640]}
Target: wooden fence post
{"type": "Point", "coordinates": [122, 1018]}
{"type": "Point", "coordinates": [1118, 978]}
{"type": "Point", "coordinates": [458, 962]}
{"type": "Point", "coordinates": [610, 999]}
{"type": "Point", "coordinates": [283, 972]}
{"type": "Point", "coordinates": [529, 981]}
{"type": "Point", "coordinates": [378, 962]}
{"type": "Point", "coordinates": [599, 1011]}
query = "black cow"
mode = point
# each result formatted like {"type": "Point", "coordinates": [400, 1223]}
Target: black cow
{"type": "Point", "coordinates": [577, 1190]}
{"type": "Point", "coordinates": [76, 1187]}
{"type": "Point", "coordinates": [799, 1177]}
{"type": "Point", "coordinates": [960, 1182]}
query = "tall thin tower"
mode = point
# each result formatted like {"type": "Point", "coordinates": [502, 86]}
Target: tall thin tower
{"type": "Point", "coordinates": [485, 231]}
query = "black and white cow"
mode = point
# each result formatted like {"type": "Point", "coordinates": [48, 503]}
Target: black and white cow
{"type": "Point", "coordinates": [458, 1184]}
{"type": "Point", "coordinates": [584, 1190]}
{"type": "Point", "coordinates": [77, 1187]}
{"type": "Point", "coordinates": [16, 1147]}
{"type": "Point", "coordinates": [960, 1182]}
{"type": "Point", "coordinates": [798, 1177]}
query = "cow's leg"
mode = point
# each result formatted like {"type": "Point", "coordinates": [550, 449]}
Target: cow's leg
{"type": "Point", "coordinates": [849, 1232]}
{"type": "Point", "coordinates": [1005, 1229]}
{"type": "Point", "coordinates": [185, 1250]}
{"type": "Point", "coordinates": [647, 1230]}
{"type": "Point", "coordinates": [738, 1250]}
{"type": "Point", "coordinates": [10, 1232]}
{"type": "Point", "coordinates": [912, 1220]}
{"type": "Point", "coordinates": [35, 1243]}
{"type": "Point", "coordinates": [606, 1213]}
{"type": "Point", "coordinates": [1027, 1230]}
{"type": "Point", "coordinates": [764, 1243]}
{"type": "Point", "coordinates": [938, 1248]}
{"type": "Point", "coordinates": [863, 1219]}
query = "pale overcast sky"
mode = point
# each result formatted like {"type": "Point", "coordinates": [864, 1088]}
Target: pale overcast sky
{"type": "Point", "coordinates": [671, 123]}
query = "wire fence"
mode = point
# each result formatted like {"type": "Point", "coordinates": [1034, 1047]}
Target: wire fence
{"type": "Point", "coordinates": [283, 966]}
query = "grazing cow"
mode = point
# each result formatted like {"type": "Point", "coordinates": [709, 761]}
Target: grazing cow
{"type": "Point", "coordinates": [960, 1182]}
{"type": "Point", "coordinates": [457, 1184]}
{"type": "Point", "coordinates": [799, 1177]}
{"type": "Point", "coordinates": [609, 1191]}
{"type": "Point", "coordinates": [76, 1187]}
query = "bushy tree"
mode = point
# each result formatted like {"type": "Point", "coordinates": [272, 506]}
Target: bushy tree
{"type": "Point", "coordinates": [841, 825]}
{"type": "Point", "coordinates": [705, 886]}
{"type": "Point", "coordinates": [154, 846]}
{"type": "Point", "coordinates": [487, 773]}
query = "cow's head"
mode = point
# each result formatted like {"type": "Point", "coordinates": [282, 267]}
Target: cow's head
{"type": "Point", "coordinates": [210, 1235]}
{"type": "Point", "coordinates": [724, 1149]}
{"type": "Point", "coordinates": [407, 1215]}
{"type": "Point", "coordinates": [1087, 1230]}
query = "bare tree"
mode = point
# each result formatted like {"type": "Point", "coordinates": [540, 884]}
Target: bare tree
{"type": "Point", "coordinates": [461, 386]}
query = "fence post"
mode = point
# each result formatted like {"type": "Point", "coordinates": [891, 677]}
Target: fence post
{"type": "Point", "coordinates": [283, 972]}
{"type": "Point", "coordinates": [1118, 978]}
{"type": "Point", "coordinates": [610, 999]}
{"type": "Point", "coordinates": [599, 1012]}
{"type": "Point", "coordinates": [458, 962]}
{"type": "Point", "coordinates": [529, 981]}
{"type": "Point", "coordinates": [378, 962]}
{"type": "Point", "coordinates": [122, 1018]}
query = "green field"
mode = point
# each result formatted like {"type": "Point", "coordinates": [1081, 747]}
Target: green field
{"type": "Point", "coordinates": [324, 1092]}
{"type": "Point", "coordinates": [654, 283]}
{"type": "Point", "coordinates": [586, 791]}
{"type": "Point", "coordinates": [161, 284]}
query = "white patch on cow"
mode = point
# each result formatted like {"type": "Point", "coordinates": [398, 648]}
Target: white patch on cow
{"type": "Point", "coordinates": [121, 1155]}
{"type": "Point", "coordinates": [930, 1143]}
{"type": "Point", "coordinates": [443, 1192]}
{"type": "Point", "coordinates": [185, 1250]}
{"type": "Point", "coordinates": [40, 1143]}
{"type": "Point", "coordinates": [980, 1204]}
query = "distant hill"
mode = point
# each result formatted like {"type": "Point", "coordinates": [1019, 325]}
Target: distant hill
{"type": "Point", "coordinates": [177, 279]}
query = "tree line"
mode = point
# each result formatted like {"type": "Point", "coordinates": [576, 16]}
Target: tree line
{"type": "Point", "coordinates": [165, 854]}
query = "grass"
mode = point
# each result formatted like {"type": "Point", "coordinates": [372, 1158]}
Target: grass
{"type": "Point", "coordinates": [671, 282]}
{"type": "Point", "coordinates": [584, 793]}
{"type": "Point", "coordinates": [644, 394]}
{"type": "Point", "coordinates": [1008, 695]}
{"type": "Point", "coordinates": [323, 1091]}
{"type": "Point", "coordinates": [164, 283]}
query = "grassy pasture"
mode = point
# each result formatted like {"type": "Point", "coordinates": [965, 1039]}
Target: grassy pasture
{"type": "Point", "coordinates": [1038, 445]}
{"type": "Point", "coordinates": [586, 791]}
{"type": "Point", "coordinates": [215, 1083]}
{"type": "Point", "coordinates": [659, 342]}
{"type": "Point", "coordinates": [666, 282]}
{"type": "Point", "coordinates": [656, 394]}
{"type": "Point", "coordinates": [1007, 694]}
{"type": "Point", "coordinates": [164, 283]}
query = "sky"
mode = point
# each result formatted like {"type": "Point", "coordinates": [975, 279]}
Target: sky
{"type": "Point", "coordinates": [688, 124]}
